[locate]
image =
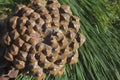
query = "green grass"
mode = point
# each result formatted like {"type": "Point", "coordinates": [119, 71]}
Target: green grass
{"type": "Point", "coordinates": [99, 57]}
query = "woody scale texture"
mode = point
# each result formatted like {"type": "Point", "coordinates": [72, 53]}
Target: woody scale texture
{"type": "Point", "coordinates": [41, 38]}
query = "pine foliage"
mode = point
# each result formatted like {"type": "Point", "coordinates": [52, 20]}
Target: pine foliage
{"type": "Point", "coordinates": [99, 58]}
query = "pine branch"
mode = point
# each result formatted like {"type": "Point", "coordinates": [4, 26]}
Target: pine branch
{"type": "Point", "coordinates": [99, 58]}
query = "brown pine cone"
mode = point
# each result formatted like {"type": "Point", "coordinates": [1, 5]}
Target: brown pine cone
{"type": "Point", "coordinates": [42, 37]}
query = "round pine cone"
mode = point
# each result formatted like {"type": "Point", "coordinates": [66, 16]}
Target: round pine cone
{"type": "Point", "coordinates": [41, 37]}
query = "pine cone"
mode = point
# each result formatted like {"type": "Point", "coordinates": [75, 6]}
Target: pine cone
{"type": "Point", "coordinates": [42, 37]}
